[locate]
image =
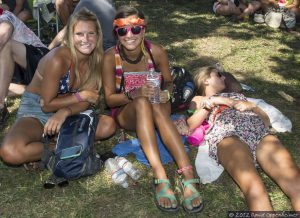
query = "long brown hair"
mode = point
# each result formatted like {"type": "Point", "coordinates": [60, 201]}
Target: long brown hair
{"type": "Point", "coordinates": [199, 78]}
{"type": "Point", "coordinates": [92, 77]}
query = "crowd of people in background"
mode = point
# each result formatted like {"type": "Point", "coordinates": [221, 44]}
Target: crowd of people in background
{"type": "Point", "coordinates": [96, 46]}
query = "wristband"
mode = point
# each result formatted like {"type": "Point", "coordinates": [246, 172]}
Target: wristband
{"type": "Point", "coordinates": [127, 95]}
{"type": "Point", "coordinates": [78, 97]}
{"type": "Point", "coordinates": [168, 94]}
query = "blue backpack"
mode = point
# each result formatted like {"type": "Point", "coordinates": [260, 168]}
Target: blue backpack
{"type": "Point", "coordinates": [74, 155]}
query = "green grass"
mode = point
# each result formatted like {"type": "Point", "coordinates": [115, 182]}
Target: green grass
{"type": "Point", "coordinates": [266, 59]}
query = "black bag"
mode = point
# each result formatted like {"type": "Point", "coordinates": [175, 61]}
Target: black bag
{"type": "Point", "coordinates": [183, 89]}
{"type": "Point", "coordinates": [74, 155]}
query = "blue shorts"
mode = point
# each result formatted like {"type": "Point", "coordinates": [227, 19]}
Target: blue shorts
{"type": "Point", "coordinates": [30, 107]}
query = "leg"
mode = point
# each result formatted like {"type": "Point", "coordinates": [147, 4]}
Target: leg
{"type": "Point", "coordinates": [235, 157]}
{"type": "Point", "coordinates": [138, 116]}
{"type": "Point", "coordinates": [24, 15]}
{"type": "Point", "coordinates": [173, 142]}
{"type": "Point", "coordinates": [228, 9]}
{"type": "Point", "coordinates": [277, 162]}
{"type": "Point", "coordinates": [23, 144]}
{"type": "Point", "coordinates": [64, 9]}
{"type": "Point", "coordinates": [106, 127]}
{"type": "Point", "coordinates": [12, 52]}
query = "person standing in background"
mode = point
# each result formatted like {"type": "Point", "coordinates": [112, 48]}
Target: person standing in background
{"type": "Point", "coordinates": [105, 12]}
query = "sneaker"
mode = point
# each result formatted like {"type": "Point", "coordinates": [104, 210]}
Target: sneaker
{"type": "Point", "coordinates": [3, 115]}
{"type": "Point", "coordinates": [258, 18]}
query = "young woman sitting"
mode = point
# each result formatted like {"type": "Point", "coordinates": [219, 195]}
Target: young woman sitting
{"type": "Point", "coordinates": [125, 68]}
{"type": "Point", "coordinates": [67, 81]}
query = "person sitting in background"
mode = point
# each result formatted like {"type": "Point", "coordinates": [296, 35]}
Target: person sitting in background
{"type": "Point", "coordinates": [18, 45]}
{"type": "Point", "coordinates": [239, 139]}
{"type": "Point", "coordinates": [67, 81]}
{"type": "Point", "coordinates": [105, 12]}
{"type": "Point", "coordinates": [20, 8]}
{"type": "Point", "coordinates": [64, 9]}
{"type": "Point", "coordinates": [240, 9]}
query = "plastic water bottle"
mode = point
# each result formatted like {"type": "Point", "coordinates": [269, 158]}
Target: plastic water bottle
{"type": "Point", "coordinates": [153, 80]}
{"type": "Point", "coordinates": [118, 175]}
{"type": "Point", "coordinates": [188, 90]}
{"type": "Point", "coordinates": [128, 167]}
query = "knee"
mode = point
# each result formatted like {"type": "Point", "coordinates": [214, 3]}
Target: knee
{"type": "Point", "coordinates": [10, 155]}
{"type": "Point", "coordinates": [7, 48]}
{"type": "Point", "coordinates": [142, 104]}
{"type": "Point", "coordinates": [106, 128]}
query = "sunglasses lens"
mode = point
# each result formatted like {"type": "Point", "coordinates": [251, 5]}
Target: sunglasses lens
{"type": "Point", "coordinates": [136, 29]}
{"type": "Point", "coordinates": [122, 31]}
{"type": "Point", "coordinates": [220, 74]}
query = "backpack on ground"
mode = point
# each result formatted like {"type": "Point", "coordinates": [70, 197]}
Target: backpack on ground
{"type": "Point", "coordinates": [183, 89]}
{"type": "Point", "coordinates": [74, 155]}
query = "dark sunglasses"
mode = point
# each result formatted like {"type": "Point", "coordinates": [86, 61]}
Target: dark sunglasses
{"type": "Point", "coordinates": [122, 31]}
{"type": "Point", "coordinates": [219, 74]}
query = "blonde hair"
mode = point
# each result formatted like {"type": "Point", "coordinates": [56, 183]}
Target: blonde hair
{"type": "Point", "coordinates": [199, 78]}
{"type": "Point", "coordinates": [92, 77]}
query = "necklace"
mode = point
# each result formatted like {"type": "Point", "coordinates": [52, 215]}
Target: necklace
{"type": "Point", "coordinates": [124, 57]}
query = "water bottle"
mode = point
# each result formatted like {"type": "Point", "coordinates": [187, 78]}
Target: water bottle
{"type": "Point", "coordinates": [118, 175]}
{"type": "Point", "coordinates": [153, 80]}
{"type": "Point", "coordinates": [128, 167]}
{"type": "Point", "coordinates": [188, 90]}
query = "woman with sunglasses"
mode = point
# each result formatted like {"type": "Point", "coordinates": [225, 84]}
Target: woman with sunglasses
{"type": "Point", "coordinates": [239, 139]}
{"type": "Point", "coordinates": [133, 110]}
{"type": "Point", "coordinates": [66, 82]}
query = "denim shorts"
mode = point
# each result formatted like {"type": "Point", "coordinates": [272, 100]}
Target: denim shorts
{"type": "Point", "coordinates": [30, 107]}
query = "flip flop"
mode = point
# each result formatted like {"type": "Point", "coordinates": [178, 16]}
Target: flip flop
{"type": "Point", "coordinates": [162, 194]}
{"type": "Point", "coordinates": [187, 202]}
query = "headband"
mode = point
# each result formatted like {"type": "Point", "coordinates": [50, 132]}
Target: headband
{"type": "Point", "coordinates": [128, 21]}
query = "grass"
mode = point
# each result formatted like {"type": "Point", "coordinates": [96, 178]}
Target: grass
{"type": "Point", "coordinates": [266, 59]}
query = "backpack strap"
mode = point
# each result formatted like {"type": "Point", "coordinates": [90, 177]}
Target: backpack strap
{"type": "Point", "coordinates": [47, 154]}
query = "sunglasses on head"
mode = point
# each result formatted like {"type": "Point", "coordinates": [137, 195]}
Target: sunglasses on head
{"type": "Point", "coordinates": [122, 31]}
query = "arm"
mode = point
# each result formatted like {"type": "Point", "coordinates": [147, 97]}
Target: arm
{"type": "Point", "coordinates": [19, 7]}
{"type": "Point", "coordinates": [112, 98]}
{"type": "Point", "coordinates": [57, 63]}
{"type": "Point", "coordinates": [197, 118]}
{"type": "Point", "coordinates": [58, 38]}
{"type": "Point", "coordinates": [6, 31]}
{"type": "Point", "coordinates": [162, 62]}
{"type": "Point", "coordinates": [247, 105]}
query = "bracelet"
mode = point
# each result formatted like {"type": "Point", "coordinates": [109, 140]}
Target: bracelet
{"type": "Point", "coordinates": [71, 112]}
{"type": "Point", "coordinates": [128, 95]}
{"type": "Point", "coordinates": [181, 170]}
{"type": "Point", "coordinates": [168, 94]}
{"type": "Point", "coordinates": [78, 97]}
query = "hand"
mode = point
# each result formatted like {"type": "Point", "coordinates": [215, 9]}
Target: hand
{"type": "Point", "coordinates": [207, 104]}
{"type": "Point", "coordinates": [92, 96]}
{"type": "Point", "coordinates": [55, 122]}
{"type": "Point", "coordinates": [146, 90]}
{"type": "Point", "coordinates": [244, 106]}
